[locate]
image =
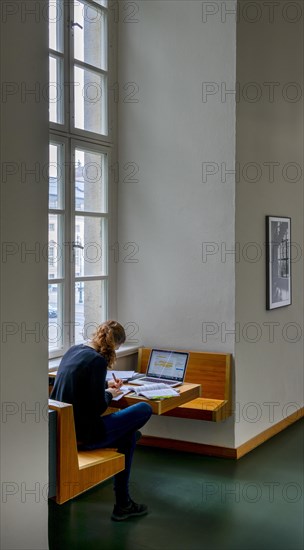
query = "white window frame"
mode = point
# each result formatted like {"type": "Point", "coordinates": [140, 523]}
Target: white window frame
{"type": "Point", "coordinates": [69, 136]}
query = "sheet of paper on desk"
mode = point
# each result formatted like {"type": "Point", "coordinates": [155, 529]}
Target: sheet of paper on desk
{"type": "Point", "coordinates": [159, 394]}
{"type": "Point", "coordinates": [122, 374]}
{"type": "Point", "coordinates": [154, 391]}
{"type": "Point", "coordinates": [124, 390]}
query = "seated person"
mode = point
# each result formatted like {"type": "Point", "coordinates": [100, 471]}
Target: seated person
{"type": "Point", "coordinates": [81, 381]}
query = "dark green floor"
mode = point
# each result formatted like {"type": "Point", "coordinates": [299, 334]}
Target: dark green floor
{"type": "Point", "coordinates": [196, 503]}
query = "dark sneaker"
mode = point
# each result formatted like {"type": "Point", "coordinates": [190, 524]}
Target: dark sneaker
{"type": "Point", "coordinates": [121, 513]}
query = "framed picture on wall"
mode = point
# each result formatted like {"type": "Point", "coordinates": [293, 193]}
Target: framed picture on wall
{"type": "Point", "coordinates": [278, 264]}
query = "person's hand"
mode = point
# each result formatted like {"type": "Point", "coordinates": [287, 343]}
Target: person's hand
{"type": "Point", "coordinates": [115, 383]}
{"type": "Point", "coordinates": [114, 391]}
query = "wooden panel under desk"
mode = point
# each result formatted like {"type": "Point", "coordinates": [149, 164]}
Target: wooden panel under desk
{"type": "Point", "coordinates": [187, 392]}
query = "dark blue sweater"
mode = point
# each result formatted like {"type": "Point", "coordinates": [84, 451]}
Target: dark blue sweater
{"type": "Point", "coordinates": [81, 381]}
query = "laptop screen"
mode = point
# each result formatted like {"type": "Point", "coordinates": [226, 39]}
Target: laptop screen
{"type": "Point", "coordinates": [170, 365]}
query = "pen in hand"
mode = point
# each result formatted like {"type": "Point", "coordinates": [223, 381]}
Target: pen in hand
{"type": "Point", "coordinates": [118, 382]}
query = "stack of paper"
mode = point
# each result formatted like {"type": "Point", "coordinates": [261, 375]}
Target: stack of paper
{"type": "Point", "coordinates": [156, 391]}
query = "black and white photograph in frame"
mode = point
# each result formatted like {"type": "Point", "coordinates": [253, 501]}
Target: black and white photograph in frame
{"type": "Point", "coordinates": [278, 265]}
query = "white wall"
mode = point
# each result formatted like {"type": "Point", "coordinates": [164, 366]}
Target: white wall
{"type": "Point", "coordinates": [23, 306]}
{"type": "Point", "coordinates": [269, 366]}
{"type": "Point", "coordinates": [167, 52]}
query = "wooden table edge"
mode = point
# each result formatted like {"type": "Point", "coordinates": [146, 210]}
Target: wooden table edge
{"type": "Point", "coordinates": [188, 392]}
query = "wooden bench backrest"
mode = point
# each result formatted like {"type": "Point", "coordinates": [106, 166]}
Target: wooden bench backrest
{"type": "Point", "coordinates": [66, 436]}
{"type": "Point", "coordinates": [79, 471]}
{"type": "Point", "coordinates": [211, 370]}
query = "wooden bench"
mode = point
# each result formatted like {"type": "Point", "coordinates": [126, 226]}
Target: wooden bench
{"type": "Point", "coordinates": [78, 471]}
{"type": "Point", "coordinates": [213, 372]}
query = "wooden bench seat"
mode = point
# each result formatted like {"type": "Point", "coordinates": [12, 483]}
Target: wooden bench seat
{"type": "Point", "coordinates": [213, 372]}
{"type": "Point", "coordinates": [78, 471]}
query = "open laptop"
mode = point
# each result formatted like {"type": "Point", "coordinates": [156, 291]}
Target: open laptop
{"type": "Point", "coordinates": [165, 366]}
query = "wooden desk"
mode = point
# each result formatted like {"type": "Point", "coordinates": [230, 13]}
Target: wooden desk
{"type": "Point", "coordinates": [214, 372]}
{"type": "Point", "coordinates": [187, 392]}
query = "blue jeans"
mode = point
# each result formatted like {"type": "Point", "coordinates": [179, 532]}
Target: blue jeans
{"type": "Point", "coordinates": [119, 430]}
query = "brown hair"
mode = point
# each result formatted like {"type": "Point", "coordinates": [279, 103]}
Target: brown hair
{"type": "Point", "coordinates": [108, 335]}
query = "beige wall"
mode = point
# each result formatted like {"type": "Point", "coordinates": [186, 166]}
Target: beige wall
{"type": "Point", "coordinates": [169, 292]}
{"type": "Point", "coordinates": [269, 365]}
{"type": "Point", "coordinates": [23, 304]}
{"type": "Point", "coordinates": [168, 132]}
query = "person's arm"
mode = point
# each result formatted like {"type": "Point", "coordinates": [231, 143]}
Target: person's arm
{"type": "Point", "coordinates": [101, 396]}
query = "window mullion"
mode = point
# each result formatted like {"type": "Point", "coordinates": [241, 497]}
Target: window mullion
{"type": "Point", "coordinates": [84, 65]}
{"type": "Point", "coordinates": [55, 53]}
{"type": "Point", "coordinates": [71, 237]}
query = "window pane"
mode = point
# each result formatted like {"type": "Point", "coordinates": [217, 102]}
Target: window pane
{"type": "Point", "coordinates": [55, 248]}
{"type": "Point", "coordinates": [90, 101]}
{"type": "Point", "coordinates": [55, 333]}
{"type": "Point", "coordinates": [90, 249]}
{"type": "Point", "coordinates": [101, 2]}
{"type": "Point", "coordinates": [56, 18]}
{"type": "Point", "coordinates": [90, 308]}
{"type": "Point", "coordinates": [90, 181]}
{"type": "Point", "coordinates": [56, 96]}
{"type": "Point", "coordinates": [56, 175]}
{"type": "Point", "coordinates": [90, 35]}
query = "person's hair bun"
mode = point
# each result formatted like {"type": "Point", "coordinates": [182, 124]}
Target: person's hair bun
{"type": "Point", "coordinates": [107, 336]}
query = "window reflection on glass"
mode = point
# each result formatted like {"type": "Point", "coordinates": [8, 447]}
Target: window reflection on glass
{"type": "Point", "coordinates": [55, 248]}
{"type": "Point", "coordinates": [90, 181]}
{"type": "Point", "coordinates": [56, 90]}
{"type": "Point", "coordinates": [90, 40]}
{"type": "Point", "coordinates": [90, 109]}
{"type": "Point", "coordinates": [101, 2]}
{"type": "Point", "coordinates": [90, 308]}
{"type": "Point", "coordinates": [56, 176]}
{"type": "Point", "coordinates": [90, 250]}
{"type": "Point", "coordinates": [56, 18]}
{"type": "Point", "coordinates": [55, 332]}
